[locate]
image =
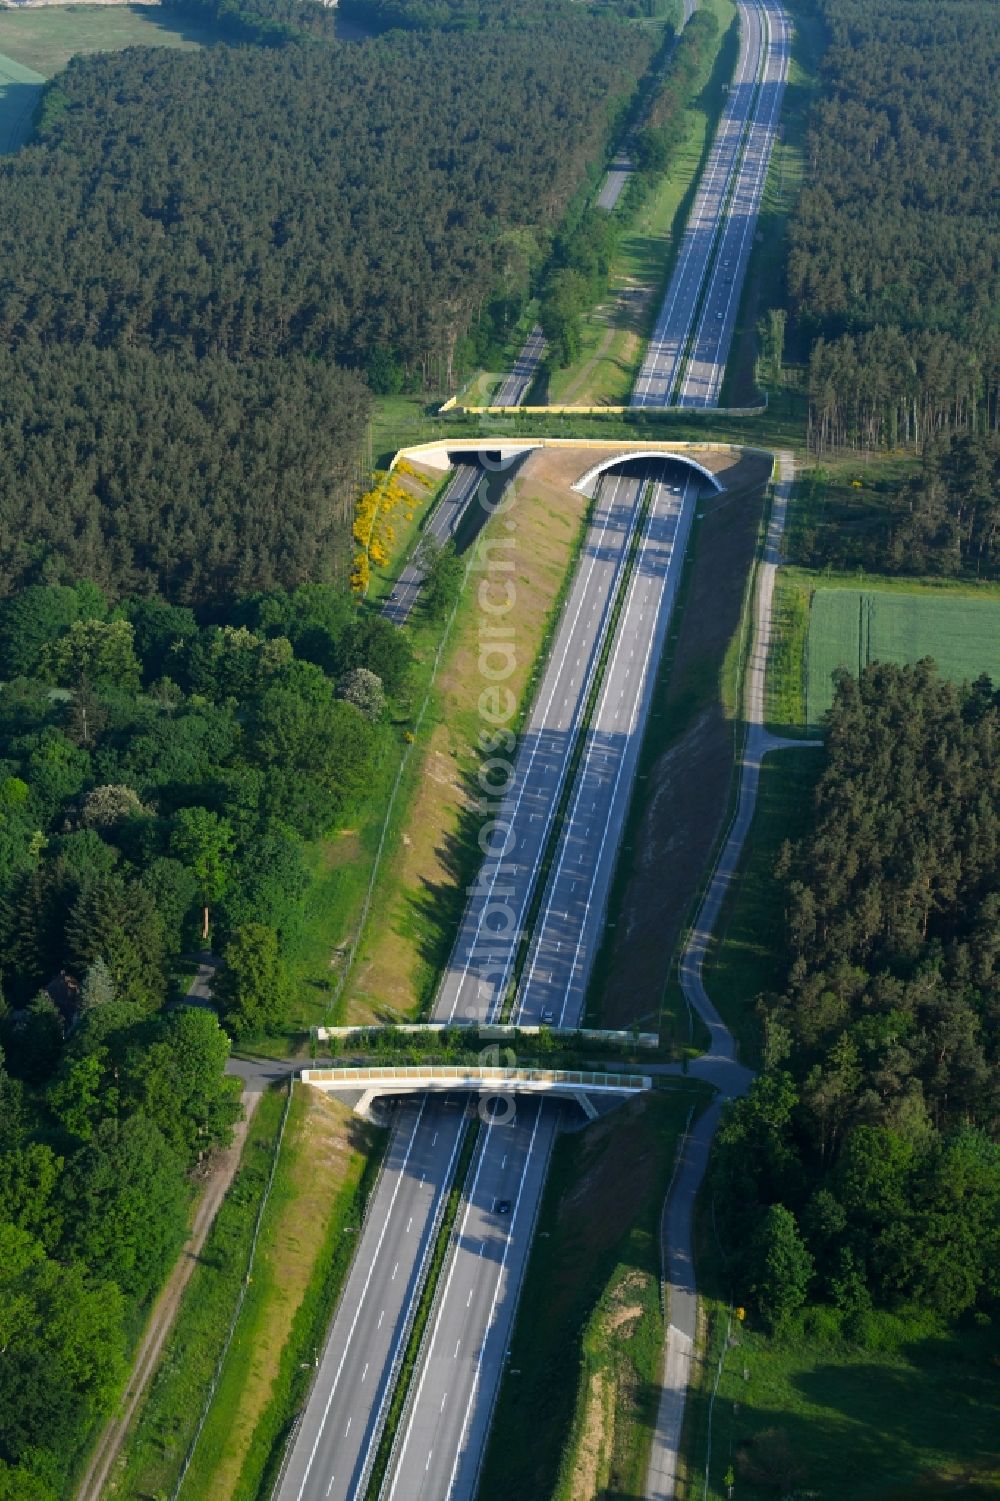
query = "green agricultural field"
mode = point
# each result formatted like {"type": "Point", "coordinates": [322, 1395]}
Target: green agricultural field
{"type": "Point", "coordinates": [44, 40]}
{"type": "Point", "coordinates": [852, 627]}
{"type": "Point", "coordinates": [19, 90]}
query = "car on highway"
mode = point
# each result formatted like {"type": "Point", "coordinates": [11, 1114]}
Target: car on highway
{"type": "Point", "coordinates": [548, 1016]}
{"type": "Point", "coordinates": [501, 1206]}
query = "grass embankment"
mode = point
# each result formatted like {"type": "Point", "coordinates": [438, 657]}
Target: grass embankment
{"type": "Point", "coordinates": [614, 335]}
{"type": "Point", "coordinates": [764, 286]}
{"type": "Point", "coordinates": [325, 1168]}
{"type": "Point", "coordinates": [578, 1401]}
{"type": "Point", "coordinates": [747, 956]}
{"type": "Point", "coordinates": [432, 852]}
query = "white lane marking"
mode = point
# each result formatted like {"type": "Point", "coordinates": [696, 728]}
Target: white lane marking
{"type": "Point", "coordinates": [593, 750]}
{"type": "Point", "coordinates": [380, 1318]}
{"type": "Point", "coordinates": [458, 1344]}
{"type": "Point", "coordinates": [655, 638]}
{"type": "Point", "coordinates": [470, 1200]}
{"type": "Point", "coordinates": [376, 1429]}
{"type": "Point", "coordinates": [394, 1271]}
{"type": "Point", "coordinates": [556, 670]}
{"type": "Point", "coordinates": [361, 1303]}
{"type": "Point", "coordinates": [468, 1301]}
{"type": "Point", "coordinates": [706, 351]}
{"type": "Point", "coordinates": [409, 1224]}
{"type": "Point", "coordinates": [330, 1486]}
{"type": "Point", "coordinates": [724, 155]}
{"type": "Point", "coordinates": [364, 1373]}
{"type": "Point", "coordinates": [348, 1428]}
{"type": "Point", "coordinates": [493, 1305]}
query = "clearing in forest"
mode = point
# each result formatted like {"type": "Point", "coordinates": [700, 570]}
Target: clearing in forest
{"type": "Point", "coordinates": [852, 627]}
{"type": "Point", "coordinates": [45, 38]}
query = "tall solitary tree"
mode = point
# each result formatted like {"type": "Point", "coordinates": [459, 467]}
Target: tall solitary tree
{"type": "Point", "coordinates": [204, 842]}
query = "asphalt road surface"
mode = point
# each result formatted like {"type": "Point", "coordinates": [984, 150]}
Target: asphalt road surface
{"type": "Point", "coordinates": [445, 1425]}
{"type": "Point", "coordinates": [517, 824]}
{"type": "Point", "coordinates": [618, 175]}
{"type": "Point", "coordinates": [665, 355]}
{"type": "Point", "coordinates": [440, 1443]}
{"type": "Point", "coordinates": [702, 377]}
{"type": "Point", "coordinates": [517, 384]}
{"type": "Point", "coordinates": [441, 527]}
{"type": "Point", "coordinates": [621, 168]}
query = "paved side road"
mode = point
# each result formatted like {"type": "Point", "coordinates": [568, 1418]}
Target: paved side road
{"type": "Point", "coordinates": [441, 528]}
{"type": "Point", "coordinates": [719, 1065]}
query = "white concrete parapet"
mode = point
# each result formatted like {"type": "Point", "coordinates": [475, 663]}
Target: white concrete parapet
{"type": "Point", "coordinates": [370, 1083]}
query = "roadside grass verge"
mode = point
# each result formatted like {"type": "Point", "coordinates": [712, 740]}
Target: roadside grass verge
{"type": "Point", "coordinates": [577, 1404]}
{"type": "Point", "coordinates": [329, 1161]}
{"type": "Point", "coordinates": [155, 1447]}
{"type": "Point", "coordinates": [432, 852]}
{"type": "Point", "coordinates": [747, 954]}
{"type": "Point", "coordinates": [45, 39]}
{"type": "Point", "coordinates": [891, 1408]}
{"type": "Point", "coordinates": [784, 683]}
{"type": "Point", "coordinates": [614, 335]}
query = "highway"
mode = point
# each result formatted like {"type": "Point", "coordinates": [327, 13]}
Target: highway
{"type": "Point", "coordinates": [569, 930]}
{"type": "Point", "coordinates": [440, 1447]}
{"type": "Point", "coordinates": [723, 185]}
{"type": "Point", "coordinates": [702, 376]}
{"type": "Point", "coordinates": [336, 1439]}
{"type": "Point", "coordinates": [517, 824]}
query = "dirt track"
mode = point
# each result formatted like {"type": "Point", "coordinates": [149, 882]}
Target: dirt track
{"type": "Point", "coordinates": [148, 1351]}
